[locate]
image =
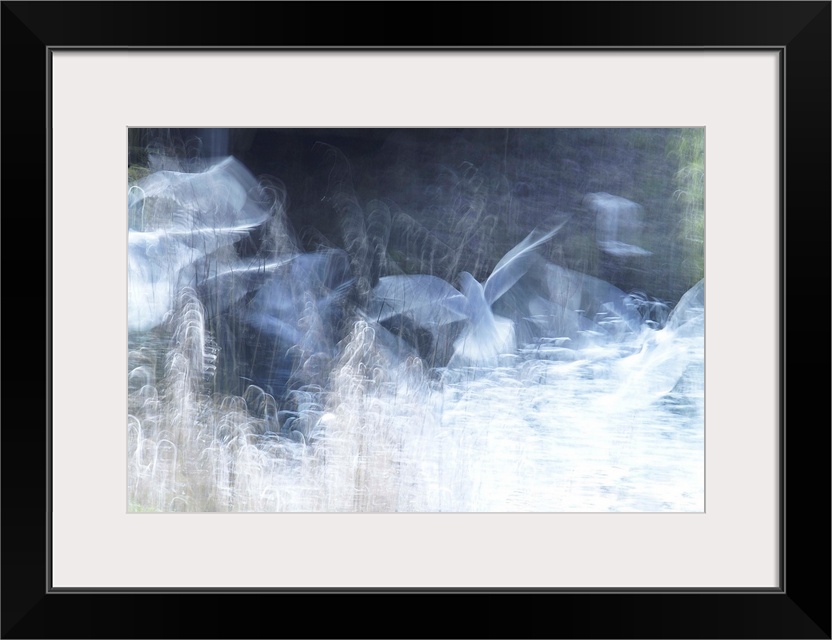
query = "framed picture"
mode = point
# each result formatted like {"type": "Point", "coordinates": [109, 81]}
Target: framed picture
{"type": "Point", "coordinates": [718, 561]}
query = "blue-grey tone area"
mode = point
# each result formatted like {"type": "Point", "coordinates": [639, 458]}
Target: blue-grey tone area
{"type": "Point", "coordinates": [416, 320]}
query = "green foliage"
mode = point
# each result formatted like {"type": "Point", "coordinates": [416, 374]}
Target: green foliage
{"type": "Point", "coordinates": [137, 160]}
{"type": "Point", "coordinates": [687, 149]}
{"type": "Point", "coordinates": [135, 507]}
{"type": "Point", "coordinates": [136, 172]}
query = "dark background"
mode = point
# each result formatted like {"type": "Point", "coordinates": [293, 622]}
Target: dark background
{"type": "Point", "coordinates": [474, 193]}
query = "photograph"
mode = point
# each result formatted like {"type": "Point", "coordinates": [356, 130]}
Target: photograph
{"type": "Point", "coordinates": [422, 320]}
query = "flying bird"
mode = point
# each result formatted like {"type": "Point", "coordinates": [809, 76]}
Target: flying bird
{"type": "Point", "coordinates": [285, 334]}
{"type": "Point", "coordinates": [665, 355]}
{"type": "Point", "coordinates": [618, 224]}
{"type": "Point", "coordinates": [433, 303]}
{"type": "Point", "coordinates": [181, 230]}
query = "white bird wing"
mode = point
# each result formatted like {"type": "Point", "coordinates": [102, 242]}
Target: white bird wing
{"type": "Point", "coordinates": [428, 300]}
{"type": "Point", "coordinates": [220, 286]}
{"type": "Point", "coordinates": [515, 264]}
{"type": "Point", "coordinates": [160, 263]}
{"type": "Point", "coordinates": [622, 249]}
{"type": "Point", "coordinates": [216, 199]}
{"type": "Point", "coordinates": [690, 308]}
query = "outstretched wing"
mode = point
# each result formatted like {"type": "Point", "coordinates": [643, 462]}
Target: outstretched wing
{"type": "Point", "coordinates": [515, 264]}
{"type": "Point", "coordinates": [213, 200]}
{"type": "Point", "coordinates": [427, 300]}
{"type": "Point", "coordinates": [220, 286]}
{"type": "Point", "coordinates": [689, 309]}
{"type": "Point", "coordinates": [179, 222]}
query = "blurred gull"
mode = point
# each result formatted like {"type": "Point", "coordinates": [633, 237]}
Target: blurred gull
{"type": "Point", "coordinates": [287, 332]}
{"type": "Point", "coordinates": [666, 354]}
{"type": "Point", "coordinates": [618, 224]}
{"type": "Point", "coordinates": [575, 310]}
{"type": "Point", "coordinates": [178, 225]}
{"type": "Point", "coordinates": [431, 302]}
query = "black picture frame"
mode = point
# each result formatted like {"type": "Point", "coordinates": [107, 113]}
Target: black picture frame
{"type": "Point", "coordinates": [799, 608]}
